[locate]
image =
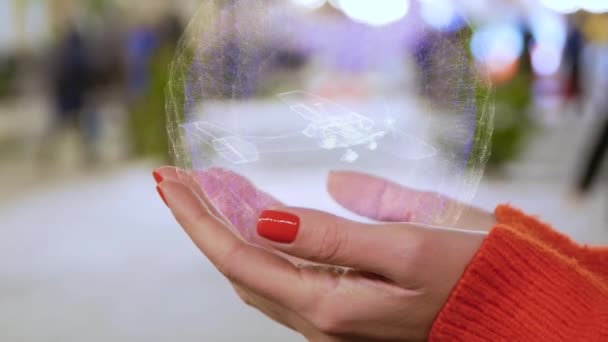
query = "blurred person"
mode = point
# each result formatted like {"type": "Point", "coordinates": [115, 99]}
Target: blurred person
{"type": "Point", "coordinates": [71, 76]}
{"type": "Point", "coordinates": [594, 29]}
{"type": "Point", "coordinates": [500, 277]}
{"type": "Point", "coordinates": [145, 41]}
{"type": "Point", "coordinates": [572, 59]}
{"type": "Point", "coordinates": [151, 47]}
{"type": "Point", "coordinates": [106, 62]}
{"type": "Point", "coordinates": [141, 43]}
{"type": "Point", "coordinates": [593, 166]}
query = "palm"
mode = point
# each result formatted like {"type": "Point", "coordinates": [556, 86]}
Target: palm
{"type": "Point", "coordinates": [385, 281]}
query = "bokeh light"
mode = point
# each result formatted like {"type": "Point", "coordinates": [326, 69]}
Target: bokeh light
{"type": "Point", "coordinates": [595, 6]}
{"type": "Point", "coordinates": [312, 4]}
{"type": "Point", "coordinates": [549, 31]}
{"type": "Point", "coordinates": [439, 14]}
{"type": "Point", "coordinates": [546, 59]}
{"type": "Point", "coordinates": [90, 252]}
{"type": "Point", "coordinates": [571, 6]}
{"type": "Point", "coordinates": [238, 101]}
{"type": "Point", "coordinates": [498, 45]}
{"type": "Point", "coordinates": [376, 13]}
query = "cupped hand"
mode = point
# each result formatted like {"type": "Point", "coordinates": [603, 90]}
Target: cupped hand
{"type": "Point", "coordinates": [329, 278]}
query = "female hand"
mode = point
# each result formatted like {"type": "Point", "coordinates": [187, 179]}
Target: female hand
{"type": "Point", "coordinates": [391, 279]}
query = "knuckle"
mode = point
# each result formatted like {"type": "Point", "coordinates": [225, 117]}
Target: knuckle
{"type": "Point", "coordinates": [226, 259]}
{"type": "Point", "coordinates": [247, 300]}
{"type": "Point", "coordinates": [431, 200]}
{"type": "Point", "coordinates": [328, 322]}
{"type": "Point", "coordinates": [244, 296]}
{"type": "Point", "coordinates": [382, 199]}
{"type": "Point", "coordinates": [201, 217]}
{"type": "Point", "coordinates": [411, 252]}
{"type": "Point", "coordinates": [331, 242]}
{"type": "Point", "coordinates": [431, 196]}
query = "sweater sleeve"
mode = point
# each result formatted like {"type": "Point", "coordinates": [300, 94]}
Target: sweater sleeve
{"type": "Point", "coordinates": [595, 259]}
{"type": "Point", "coordinates": [525, 284]}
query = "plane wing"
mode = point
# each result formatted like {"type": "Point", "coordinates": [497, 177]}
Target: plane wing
{"type": "Point", "coordinates": [228, 145]}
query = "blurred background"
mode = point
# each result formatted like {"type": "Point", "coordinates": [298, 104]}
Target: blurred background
{"type": "Point", "coordinates": [88, 252]}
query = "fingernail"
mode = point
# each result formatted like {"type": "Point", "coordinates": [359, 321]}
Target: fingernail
{"type": "Point", "coordinates": [278, 226]}
{"type": "Point", "coordinates": [157, 177]}
{"type": "Point", "coordinates": [160, 193]}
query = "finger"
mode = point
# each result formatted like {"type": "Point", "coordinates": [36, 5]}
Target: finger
{"type": "Point", "coordinates": [228, 203]}
{"type": "Point", "coordinates": [264, 273]}
{"type": "Point", "coordinates": [171, 173]}
{"type": "Point", "coordinates": [272, 310]}
{"type": "Point", "coordinates": [391, 250]}
{"type": "Point", "coordinates": [377, 309]}
{"type": "Point", "coordinates": [236, 197]}
{"type": "Point", "coordinates": [328, 239]}
{"type": "Point", "coordinates": [228, 195]}
{"type": "Point", "coordinates": [383, 200]}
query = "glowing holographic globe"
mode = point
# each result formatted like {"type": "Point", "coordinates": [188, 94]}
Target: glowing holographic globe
{"type": "Point", "coordinates": [266, 98]}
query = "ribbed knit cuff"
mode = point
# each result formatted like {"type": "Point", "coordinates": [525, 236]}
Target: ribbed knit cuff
{"type": "Point", "coordinates": [519, 289]}
{"type": "Point", "coordinates": [595, 259]}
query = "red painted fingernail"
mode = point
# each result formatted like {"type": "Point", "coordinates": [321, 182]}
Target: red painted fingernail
{"type": "Point", "coordinates": [278, 226]}
{"type": "Point", "coordinates": [160, 193]}
{"type": "Point", "coordinates": [157, 177]}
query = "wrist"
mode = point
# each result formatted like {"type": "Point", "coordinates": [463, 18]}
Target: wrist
{"type": "Point", "coordinates": [516, 288]}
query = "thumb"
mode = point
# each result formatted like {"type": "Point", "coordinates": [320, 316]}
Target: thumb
{"type": "Point", "coordinates": [395, 251]}
{"type": "Point", "coordinates": [383, 200]}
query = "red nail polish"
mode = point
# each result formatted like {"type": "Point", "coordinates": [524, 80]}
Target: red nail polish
{"type": "Point", "coordinates": [160, 193]}
{"type": "Point", "coordinates": [278, 226]}
{"type": "Point", "coordinates": [157, 177]}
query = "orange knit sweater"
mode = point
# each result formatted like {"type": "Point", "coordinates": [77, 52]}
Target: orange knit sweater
{"type": "Point", "coordinates": [528, 283]}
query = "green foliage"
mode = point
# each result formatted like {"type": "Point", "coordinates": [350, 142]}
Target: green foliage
{"type": "Point", "coordinates": [147, 122]}
{"type": "Point", "coordinates": [484, 125]}
{"type": "Point", "coordinates": [8, 76]}
{"type": "Point", "coordinates": [511, 122]}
